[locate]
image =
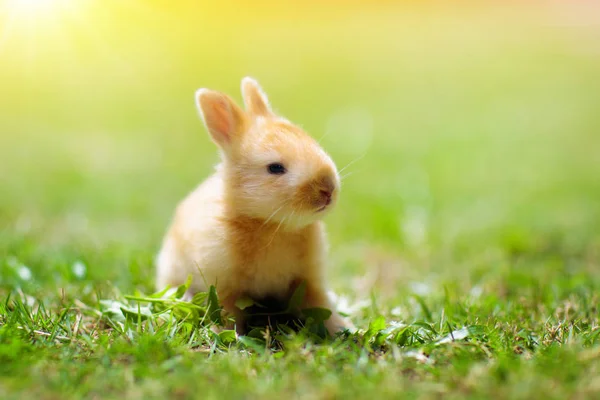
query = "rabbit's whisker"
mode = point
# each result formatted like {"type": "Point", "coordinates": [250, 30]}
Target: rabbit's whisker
{"type": "Point", "coordinates": [347, 174]}
{"type": "Point", "coordinates": [275, 232]}
{"type": "Point", "coordinates": [352, 162]}
{"type": "Point", "coordinates": [272, 215]}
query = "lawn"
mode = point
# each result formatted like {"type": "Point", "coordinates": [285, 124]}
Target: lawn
{"type": "Point", "coordinates": [465, 246]}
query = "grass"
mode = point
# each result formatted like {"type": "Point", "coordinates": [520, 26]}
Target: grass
{"type": "Point", "coordinates": [465, 247]}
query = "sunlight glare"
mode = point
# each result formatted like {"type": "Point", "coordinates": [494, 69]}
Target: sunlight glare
{"type": "Point", "coordinates": [34, 6]}
{"type": "Point", "coordinates": [38, 10]}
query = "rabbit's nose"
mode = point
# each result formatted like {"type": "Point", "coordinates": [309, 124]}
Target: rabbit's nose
{"type": "Point", "coordinates": [327, 186]}
{"type": "Point", "coordinates": [326, 189]}
{"type": "Point", "coordinates": [326, 194]}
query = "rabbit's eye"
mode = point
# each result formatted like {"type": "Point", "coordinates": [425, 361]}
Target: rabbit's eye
{"type": "Point", "coordinates": [276, 169]}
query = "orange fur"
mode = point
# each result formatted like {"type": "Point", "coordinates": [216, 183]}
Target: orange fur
{"type": "Point", "coordinates": [248, 231]}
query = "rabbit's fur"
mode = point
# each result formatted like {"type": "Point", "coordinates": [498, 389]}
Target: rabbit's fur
{"type": "Point", "coordinates": [249, 230]}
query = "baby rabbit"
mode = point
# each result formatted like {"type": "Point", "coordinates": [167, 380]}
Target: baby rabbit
{"type": "Point", "coordinates": [254, 227]}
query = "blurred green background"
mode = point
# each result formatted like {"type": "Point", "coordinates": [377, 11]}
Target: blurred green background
{"type": "Point", "coordinates": [473, 129]}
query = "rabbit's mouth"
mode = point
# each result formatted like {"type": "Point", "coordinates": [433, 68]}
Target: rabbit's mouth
{"type": "Point", "coordinates": [322, 208]}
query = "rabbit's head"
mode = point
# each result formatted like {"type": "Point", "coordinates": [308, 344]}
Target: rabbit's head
{"type": "Point", "coordinates": [272, 169]}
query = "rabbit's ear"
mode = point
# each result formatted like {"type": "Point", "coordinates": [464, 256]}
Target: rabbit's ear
{"type": "Point", "coordinates": [222, 117]}
{"type": "Point", "coordinates": [255, 99]}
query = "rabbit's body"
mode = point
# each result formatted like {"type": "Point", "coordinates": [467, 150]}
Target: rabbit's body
{"type": "Point", "coordinates": [253, 228]}
{"type": "Point", "coordinates": [238, 255]}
